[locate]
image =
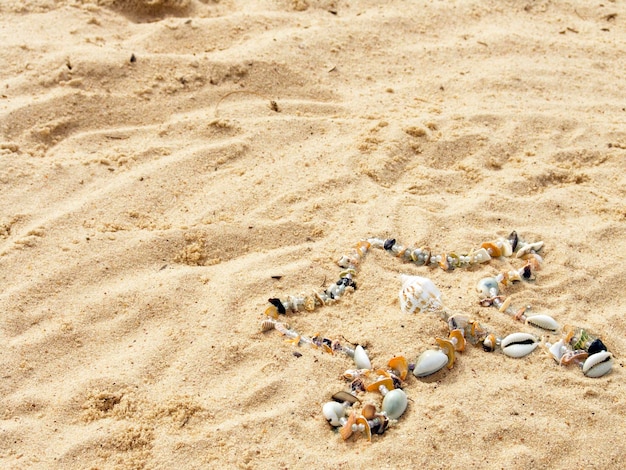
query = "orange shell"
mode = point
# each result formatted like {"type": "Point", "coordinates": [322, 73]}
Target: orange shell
{"type": "Point", "coordinates": [400, 365]}
{"type": "Point", "coordinates": [271, 311]}
{"type": "Point", "coordinates": [386, 381]}
{"type": "Point", "coordinates": [367, 430]}
{"type": "Point", "coordinates": [346, 429]}
{"type": "Point", "coordinates": [460, 339]}
{"type": "Point", "coordinates": [492, 249]}
{"type": "Point", "coordinates": [448, 348]}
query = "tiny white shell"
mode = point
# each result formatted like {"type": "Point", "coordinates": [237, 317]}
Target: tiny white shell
{"type": "Point", "coordinates": [360, 358]}
{"type": "Point", "coordinates": [507, 249]}
{"type": "Point", "coordinates": [394, 403]}
{"type": "Point", "coordinates": [519, 344]}
{"type": "Point", "coordinates": [333, 411]}
{"type": "Point", "coordinates": [418, 293]}
{"type": "Point", "coordinates": [598, 364]}
{"type": "Point", "coordinates": [557, 350]}
{"type": "Point", "coordinates": [429, 362]}
{"type": "Point", "coordinates": [543, 321]}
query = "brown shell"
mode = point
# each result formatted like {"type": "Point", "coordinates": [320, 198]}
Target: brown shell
{"type": "Point", "coordinates": [369, 411]}
{"type": "Point", "coordinates": [386, 381]}
{"type": "Point", "coordinates": [346, 429]}
{"type": "Point", "coordinates": [448, 348]}
{"type": "Point", "coordinates": [367, 430]}
{"type": "Point", "coordinates": [343, 397]}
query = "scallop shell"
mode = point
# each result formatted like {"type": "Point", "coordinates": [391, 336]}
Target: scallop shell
{"type": "Point", "coordinates": [360, 358]}
{"type": "Point", "coordinates": [519, 344]}
{"type": "Point", "coordinates": [394, 403]}
{"type": "Point", "coordinates": [429, 362]}
{"type": "Point", "coordinates": [418, 293]}
{"type": "Point", "coordinates": [545, 322]}
{"type": "Point", "coordinates": [598, 364]}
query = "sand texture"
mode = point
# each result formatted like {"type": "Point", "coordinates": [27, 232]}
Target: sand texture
{"type": "Point", "coordinates": [168, 166]}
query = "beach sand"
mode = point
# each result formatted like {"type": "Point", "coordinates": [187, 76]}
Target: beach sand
{"type": "Point", "coordinates": [168, 166]}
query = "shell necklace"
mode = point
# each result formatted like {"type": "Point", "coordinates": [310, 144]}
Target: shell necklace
{"type": "Point", "coordinates": [348, 413]}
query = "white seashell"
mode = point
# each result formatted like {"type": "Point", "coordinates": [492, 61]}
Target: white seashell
{"type": "Point", "coordinates": [394, 403]}
{"type": "Point", "coordinates": [557, 350]}
{"type": "Point", "coordinates": [598, 364]}
{"type": "Point", "coordinates": [360, 358]}
{"type": "Point", "coordinates": [488, 287]}
{"type": "Point", "coordinates": [418, 293]}
{"type": "Point", "coordinates": [505, 245]}
{"type": "Point", "coordinates": [481, 256]}
{"type": "Point", "coordinates": [429, 362]}
{"type": "Point", "coordinates": [543, 321]}
{"type": "Point", "coordinates": [527, 248]}
{"type": "Point", "coordinates": [519, 344]}
{"type": "Point", "coordinates": [333, 412]}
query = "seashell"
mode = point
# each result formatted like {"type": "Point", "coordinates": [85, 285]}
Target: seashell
{"type": "Point", "coordinates": [369, 411]}
{"type": "Point", "coordinates": [519, 344]}
{"type": "Point", "coordinates": [557, 350]}
{"type": "Point", "coordinates": [429, 362]}
{"type": "Point", "coordinates": [457, 339]}
{"type": "Point", "coordinates": [267, 325]}
{"type": "Point", "coordinates": [480, 256]}
{"type": "Point", "coordinates": [458, 322]}
{"type": "Point", "coordinates": [345, 397]}
{"type": "Point", "coordinates": [526, 248]}
{"type": "Point", "coordinates": [271, 311]}
{"type": "Point", "coordinates": [400, 365]}
{"type": "Point", "coordinates": [380, 424]}
{"type": "Point", "coordinates": [333, 412]}
{"type": "Point", "coordinates": [596, 346]}
{"type": "Point", "coordinates": [360, 358]}
{"type": "Point", "coordinates": [573, 357]}
{"type": "Point", "coordinates": [490, 342]}
{"type": "Point", "coordinates": [394, 403]}
{"type": "Point", "coordinates": [488, 287]}
{"type": "Point", "coordinates": [514, 240]}
{"type": "Point", "coordinates": [598, 364]}
{"type": "Point", "coordinates": [364, 427]}
{"type": "Point", "coordinates": [347, 429]}
{"type": "Point", "coordinates": [493, 249]}
{"type": "Point", "coordinates": [506, 246]}
{"type": "Point", "coordinates": [418, 293]}
{"type": "Point", "coordinates": [448, 348]}
{"type": "Point", "coordinates": [386, 382]}
{"type": "Point", "coordinates": [543, 321]}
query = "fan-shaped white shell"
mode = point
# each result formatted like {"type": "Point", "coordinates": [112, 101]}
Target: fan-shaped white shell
{"type": "Point", "coordinates": [429, 362]}
{"type": "Point", "coordinates": [418, 293]}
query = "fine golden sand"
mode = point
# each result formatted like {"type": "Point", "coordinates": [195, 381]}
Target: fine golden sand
{"type": "Point", "coordinates": [168, 166]}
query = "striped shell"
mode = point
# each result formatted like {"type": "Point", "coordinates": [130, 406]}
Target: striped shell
{"type": "Point", "coordinates": [519, 344]}
{"type": "Point", "coordinates": [418, 293]}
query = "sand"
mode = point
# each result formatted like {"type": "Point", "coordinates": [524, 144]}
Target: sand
{"type": "Point", "coordinates": [162, 163]}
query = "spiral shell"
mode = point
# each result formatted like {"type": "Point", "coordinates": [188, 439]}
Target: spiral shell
{"type": "Point", "coordinates": [418, 293]}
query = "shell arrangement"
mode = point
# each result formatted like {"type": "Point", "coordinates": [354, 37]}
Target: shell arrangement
{"type": "Point", "coordinates": [347, 411]}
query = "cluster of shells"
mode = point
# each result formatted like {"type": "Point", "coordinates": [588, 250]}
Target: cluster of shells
{"type": "Point", "coordinates": [349, 414]}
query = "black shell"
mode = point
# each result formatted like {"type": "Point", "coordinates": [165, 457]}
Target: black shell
{"type": "Point", "coordinates": [596, 346]}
